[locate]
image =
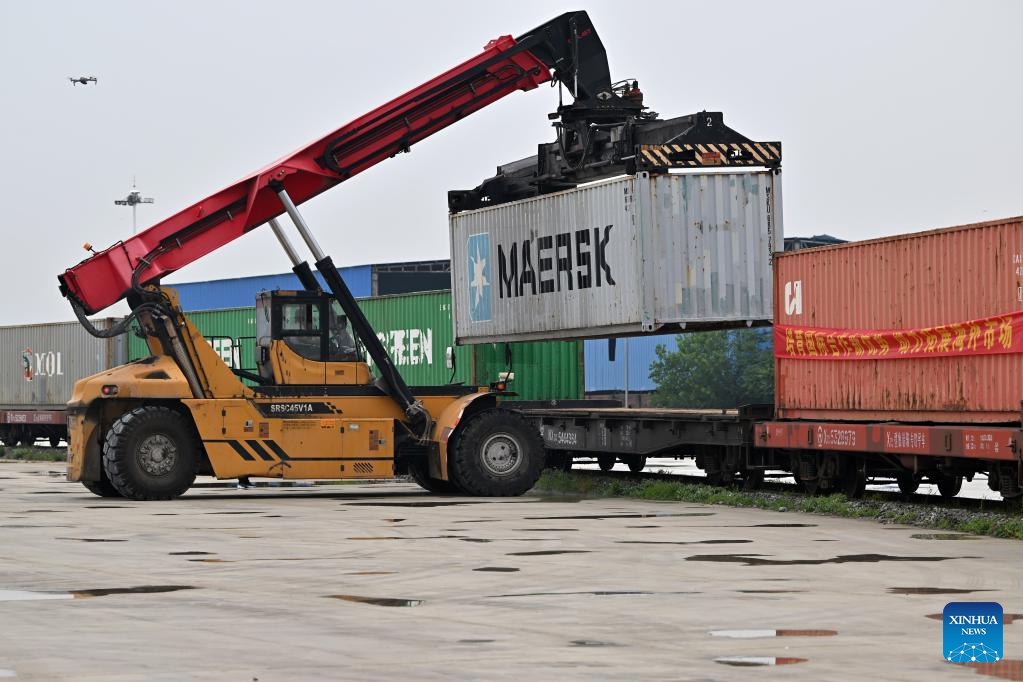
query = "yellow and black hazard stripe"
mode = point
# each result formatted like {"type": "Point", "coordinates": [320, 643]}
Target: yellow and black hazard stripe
{"type": "Point", "coordinates": [689, 155]}
{"type": "Point", "coordinates": [269, 451]}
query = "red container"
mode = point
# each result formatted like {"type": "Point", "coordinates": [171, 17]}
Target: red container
{"type": "Point", "coordinates": [928, 282]}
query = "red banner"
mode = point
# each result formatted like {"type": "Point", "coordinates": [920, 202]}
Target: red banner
{"type": "Point", "coordinates": [987, 336]}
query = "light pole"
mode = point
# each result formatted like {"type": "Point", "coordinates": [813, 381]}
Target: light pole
{"type": "Point", "coordinates": [133, 199]}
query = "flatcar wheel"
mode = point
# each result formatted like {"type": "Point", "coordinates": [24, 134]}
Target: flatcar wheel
{"type": "Point", "coordinates": [752, 479]}
{"type": "Point", "coordinates": [606, 462]}
{"type": "Point", "coordinates": [54, 441]}
{"type": "Point", "coordinates": [854, 480]}
{"type": "Point", "coordinates": [636, 463]}
{"type": "Point", "coordinates": [908, 483]}
{"type": "Point", "coordinates": [948, 486]}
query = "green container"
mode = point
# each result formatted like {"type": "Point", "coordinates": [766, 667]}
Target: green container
{"type": "Point", "coordinates": [416, 329]}
{"type": "Point", "coordinates": [231, 332]}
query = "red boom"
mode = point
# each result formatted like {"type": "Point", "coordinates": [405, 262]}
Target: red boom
{"type": "Point", "coordinates": [106, 277]}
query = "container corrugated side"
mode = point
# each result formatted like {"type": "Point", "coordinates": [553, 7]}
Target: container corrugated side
{"type": "Point", "coordinates": [231, 332]}
{"type": "Point", "coordinates": [913, 281]}
{"type": "Point", "coordinates": [43, 361]}
{"type": "Point", "coordinates": [416, 329]}
{"type": "Point", "coordinates": [633, 255]}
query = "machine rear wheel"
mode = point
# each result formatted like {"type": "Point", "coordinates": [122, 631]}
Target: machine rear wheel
{"type": "Point", "coordinates": [498, 453]}
{"type": "Point", "coordinates": [606, 462]}
{"type": "Point", "coordinates": [150, 453]}
{"type": "Point", "coordinates": [420, 473]}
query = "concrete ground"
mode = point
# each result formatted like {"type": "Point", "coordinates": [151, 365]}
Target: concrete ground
{"type": "Point", "coordinates": [385, 582]}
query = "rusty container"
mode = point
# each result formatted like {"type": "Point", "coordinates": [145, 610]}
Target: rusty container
{"type": "Point", "coordinates": [935, 281]}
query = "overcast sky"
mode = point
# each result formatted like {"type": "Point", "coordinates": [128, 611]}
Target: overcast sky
{"type": "Point", "coordinates": [895, 116]}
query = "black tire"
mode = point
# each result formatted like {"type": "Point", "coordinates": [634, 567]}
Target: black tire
{"type": "Point", "coordinates": [948, 486]}
{"type": "Point", "coordinates": [636, 463]}
{"type": "Point", "coordinates": [908, 483]}
{"type": "Point", "coordinates": [854, 480]}
{"type": "Point", "coordinates": [102, 488]}
{"type": "Point", "coordinates": [752, 479]}
{"type": "Point", "coordinates": [606, 462]}
{"type": "Point", "coordinates": [420, 473]}
{"type": "Point", "coordinates": [151, 453]}
{"type": "Point", "coordinates": [497, 454]}
{"type": "Point", "coordinates": [559, 460]}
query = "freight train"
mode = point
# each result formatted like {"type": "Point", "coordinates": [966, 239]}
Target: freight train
{"type": "Point", "coordinates": [897, 358]}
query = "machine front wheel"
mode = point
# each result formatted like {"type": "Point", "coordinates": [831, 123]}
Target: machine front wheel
{"type": "Point", "coordinates": [150, 453]}
{"type": "Point", "coordinates": [497, 453]}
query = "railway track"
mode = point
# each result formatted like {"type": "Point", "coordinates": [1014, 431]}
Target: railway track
{"type": "Point", "coordinates": [972, 498]}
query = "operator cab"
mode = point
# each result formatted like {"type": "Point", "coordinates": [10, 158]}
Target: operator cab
{"type": "Point", "coordinates": [303, 337]}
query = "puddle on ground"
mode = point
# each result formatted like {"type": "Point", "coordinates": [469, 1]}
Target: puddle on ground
{"type": "Point", "coordinates": [191, 553]}
{"type": "Point", "coordinates": [165, 514]}
{"type": "Point", "coordinates": [372, 573]}
{"type": "Point", "coordinates": [594, 593]}
{"type": "Point", "coordinates": [42, 511]}
{"type": "Point", "coordinates": [394, 520]}
{"type": "Point", "coordinates": [681, 542]}
{"type": "Point", "coordinates": [591, 642]}
{"type": "Point", "coordinates": [478, 521]}
{"type": "Point", "coordinates": [756, 560]}
{"type": "Point", "coordinates": [830, 540]}
{"type": "Point", "coordinates": [1007, 618]}
{"type": "Point", "coordinates": [752, 661]}
{"type": "Point", "coordinates": [546, 552]}
{"type": "Point", "coordinates": [601, 517]}
{"type": "Point", "coordinates": [474, 540]}
{"type": "Point", "coordinates": [496, 569]}
{"type": "Point", "coordinates": [212, 561]}
{"type": "Point", "coordinates": [784, 525]}
{"type": "Point", "coordinates": [108, 506]}
{"type": "Point", "coordinates": [92, 539]}
{"type": "Point", "coordinates": [400, 537]}
{"type": "Point", "coordinates": [26, 595]}
{"type": "Point", "coordinates": [377, 601]}
{"type": "Point", "coordinates": [475, 641]}
{"type": "Point", "coordinates": [234, 512]}
{"type": "Point", "coordinates": [143, 589]}
{"type": "Point", "coordinates": [419, 504]}
{"type": "Point", "coordinates": [642, 526]}
{"type": "Point", "coordinates": [931, 590]}
{"type": "Point", "coordinates": [769, 591]}
{"type": "Point", "coordinates": [757, 634]}
{"type": "Point", "coordinates": [943, 536]}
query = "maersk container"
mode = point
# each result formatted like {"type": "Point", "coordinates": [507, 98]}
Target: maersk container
{"type": "Point", "coordinates": [633, 255]}
{"type": "Point", "coordinates": [951, 301]}
{"type": "Point", "coordinates": [43, 361]}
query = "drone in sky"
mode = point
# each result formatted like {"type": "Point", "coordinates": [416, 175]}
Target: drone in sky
{"type": "Point", "coordinates": [84, 80]}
